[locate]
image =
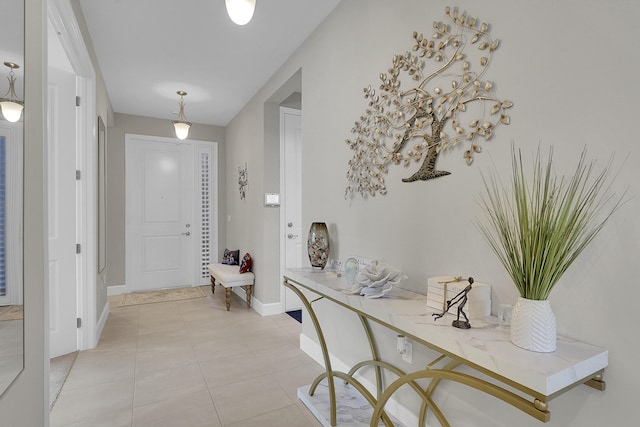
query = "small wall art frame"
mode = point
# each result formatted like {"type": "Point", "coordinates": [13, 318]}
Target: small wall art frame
{"type": "Point", "coordinates": [243, 181]}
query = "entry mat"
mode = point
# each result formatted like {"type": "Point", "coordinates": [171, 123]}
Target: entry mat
{"type": "Point", "coordinates": [353, 410]}
{"type": "Point", "coordinates": [296, 314]}
{"type": "Point", "coordinates": [164, 295]}
{"type": "Point", "coordinates": [11, 312]}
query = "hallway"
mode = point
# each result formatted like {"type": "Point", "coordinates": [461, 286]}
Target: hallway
{"type": "Point", "coordinates": [189, 363]}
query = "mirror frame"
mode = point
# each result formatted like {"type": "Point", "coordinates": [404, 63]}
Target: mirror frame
{"type": "Point", "coordinates": [102, 195]}
{"type": "Point", "coordinates": [14, 171]}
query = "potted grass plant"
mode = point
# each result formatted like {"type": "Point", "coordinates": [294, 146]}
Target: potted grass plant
{"type": "Point", "coordinates": [537, 226]}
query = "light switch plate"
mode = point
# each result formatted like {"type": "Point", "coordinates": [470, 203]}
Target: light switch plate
{"type": "Point", "coordinates": [271, 199]}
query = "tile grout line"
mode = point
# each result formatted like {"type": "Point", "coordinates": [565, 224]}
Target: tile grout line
{"type": "Point", "coordinates": [135, 370]}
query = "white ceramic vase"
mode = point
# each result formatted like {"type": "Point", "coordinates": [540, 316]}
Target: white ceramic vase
{"type": "Point", "coordinates": [533, 325]}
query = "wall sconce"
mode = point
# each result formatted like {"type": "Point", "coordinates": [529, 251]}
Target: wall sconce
{"type": "Point", "coordinates": [240, 11]}
{"type": "Point", "coordinates": [182, 125]}
{"type": "Point", "coordinates": [10, 105]}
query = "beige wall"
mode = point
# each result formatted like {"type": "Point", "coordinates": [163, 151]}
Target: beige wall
{"type": "Point", "coordinates": [569, 67]}
{"type": "Point", "coordinates": [123, 124]}
{"type": "Point", "coordinates": [573, 84]}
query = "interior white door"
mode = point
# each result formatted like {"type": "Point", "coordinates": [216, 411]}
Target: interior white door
{"type": "Point", "coordinates": [61, 131]}
{"type": "Point", "coordinates": [291, 143]}
{"type": "Point", "coordinates": [159, 218]}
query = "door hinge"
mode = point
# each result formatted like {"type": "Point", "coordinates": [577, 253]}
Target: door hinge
{"type": "Point", "coordinates": [78, 248]}
{"type": "Point", "coordinates": [79, 322]}
{"type": "Point", "coordinates": [78, 175]}
{"type": "Point", "coordinates": [77, 101]}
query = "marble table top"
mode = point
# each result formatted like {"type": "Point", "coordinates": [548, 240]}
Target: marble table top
{"type": "Point", "coordinates": [486, 345]}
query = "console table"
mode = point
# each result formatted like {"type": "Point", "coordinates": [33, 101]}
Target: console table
{"type": "Point", "coordinates": [523, 379]}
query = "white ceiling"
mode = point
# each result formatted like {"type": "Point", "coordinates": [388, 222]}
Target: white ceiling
{"type": "Point", "coordinates": [149, 49]}
{"type": "Point", "coordinates": [11, 44]}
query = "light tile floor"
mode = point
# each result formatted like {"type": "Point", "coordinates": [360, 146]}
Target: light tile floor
{"type": "Point", "coordinates": [189, 363]}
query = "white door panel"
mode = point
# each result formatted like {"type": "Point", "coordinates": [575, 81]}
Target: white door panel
{"type": "Point", "coordinates": [291, 134]}
{"type": "Point", "coordinates": [62, 213]}
{"type": "Point", "coordinates": [162, 253]}
{"type": "Point", "coordinates": [159, 213]}
{"type": "Point", "coordinates": [293, 190]}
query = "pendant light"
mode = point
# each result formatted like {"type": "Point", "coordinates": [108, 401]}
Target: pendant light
{"type": "Point", "coordinates": [10, 105]}
{"type": "Point", "coordinates": [240, 11]}
{"type": "Point", "coordinates": [182, 125]}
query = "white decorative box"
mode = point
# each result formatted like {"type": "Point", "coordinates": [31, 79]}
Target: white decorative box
{"type": "Point", "coordinates": [440, 289]}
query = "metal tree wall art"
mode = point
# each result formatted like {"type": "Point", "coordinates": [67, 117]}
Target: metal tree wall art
{"type": "Point", "coordinates": [451, 105]}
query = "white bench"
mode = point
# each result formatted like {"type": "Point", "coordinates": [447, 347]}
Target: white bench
{"type": "Point", "coordinates": [229, 276]}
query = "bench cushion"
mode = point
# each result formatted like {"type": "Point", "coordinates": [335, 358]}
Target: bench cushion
{"type": "Point", "coordinates": [229, 275]}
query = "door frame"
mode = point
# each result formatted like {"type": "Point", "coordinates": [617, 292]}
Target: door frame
{"type": "Point", "coordinates": [198, 147]}
{"type": "Point", "coordinates": [62, 18]}
{"type": "Point", "coordinates": [283, 201]}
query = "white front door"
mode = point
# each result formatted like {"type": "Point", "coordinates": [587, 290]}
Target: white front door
{"type": "Point", "coordinates": [61, 130]}
{"type": "Point", "coordinates": [159, 214]}
{"type": "Point", "coordinates": [291, 146]}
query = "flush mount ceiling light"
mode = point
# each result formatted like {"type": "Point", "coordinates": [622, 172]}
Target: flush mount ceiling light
{"type": "Point", "coordinates": [10, 105]}
{"type": "Point", "coordinates": [240, 11]}
{"type": "Point", "coordinates": [182, 125]}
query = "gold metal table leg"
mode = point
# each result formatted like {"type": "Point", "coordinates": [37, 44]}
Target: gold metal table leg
{"type": "Point", "coordinates": [537, 408]}
{"type": "Point", "coordinates": [597, 382]}
{"type": "Point", "coordinates": [471, 381]}
{"type": "Point", "coordinates": [374, 353]}
{"type": "Point", "coordinates": [329, 373]}
{"type": "Point", "coordinates": [325, 353]}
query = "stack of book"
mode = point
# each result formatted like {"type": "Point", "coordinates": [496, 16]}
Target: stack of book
{"type": "Point", "coordinates": [441, 289]}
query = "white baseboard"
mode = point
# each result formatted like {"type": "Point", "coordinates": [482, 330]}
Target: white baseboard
{"type": "Point", "coordinates": [261, 308]}
{"type": "Point", "coordinates": [117, 290]}
{"type": "Point", "coordinates": [268, 309]}
{"type": "Point", "coordinates": [313, 350]}
{"type": "Point", "coordinates": [102, 320]}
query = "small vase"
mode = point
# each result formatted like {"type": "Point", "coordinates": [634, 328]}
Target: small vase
{"type": "Point", "coordinates": [318, 245]}
{"type": "Point", "coordinates": [533, 325]}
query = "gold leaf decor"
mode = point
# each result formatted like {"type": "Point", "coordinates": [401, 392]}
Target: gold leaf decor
{"type": "Point", "coordinates": [406, 125]}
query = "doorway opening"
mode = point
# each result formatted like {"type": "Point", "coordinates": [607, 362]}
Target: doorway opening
{"type": "Point", "coordinates": [77, 321]}
{"type": "Point", "coordinates": [291, 188]}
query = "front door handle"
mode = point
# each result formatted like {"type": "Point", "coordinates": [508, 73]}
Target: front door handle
{"type": "Point", "coordinates": [291, 236]}
{"type": "Point", "coordinates": [186, 234]}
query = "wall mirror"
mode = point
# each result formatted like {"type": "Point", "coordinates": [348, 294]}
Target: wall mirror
{"type": "Point", "coordinates": [11, 190]}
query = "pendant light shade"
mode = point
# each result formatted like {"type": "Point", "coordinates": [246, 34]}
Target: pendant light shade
{"type": "Point", "coordinates": [11, 110]}
{"type": "Point", "coordinates": [240, 11]}
{"type": "Point", "coordinates": [182, 129]}
{"type": "Point", "coordinates": [10, 105]}
{"type": "Point", "coordinates": [181, 124]}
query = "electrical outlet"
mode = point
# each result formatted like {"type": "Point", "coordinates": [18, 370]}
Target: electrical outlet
{"type": "Point", "coordinates": [408, 351]}
{"type": "Point", "coordinates": [400, 346]}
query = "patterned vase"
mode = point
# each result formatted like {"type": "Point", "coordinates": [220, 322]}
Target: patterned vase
{"type": "Point", "coordinates": [533, 325]}
{"type": "Point", "coordinates": [318, 245]}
